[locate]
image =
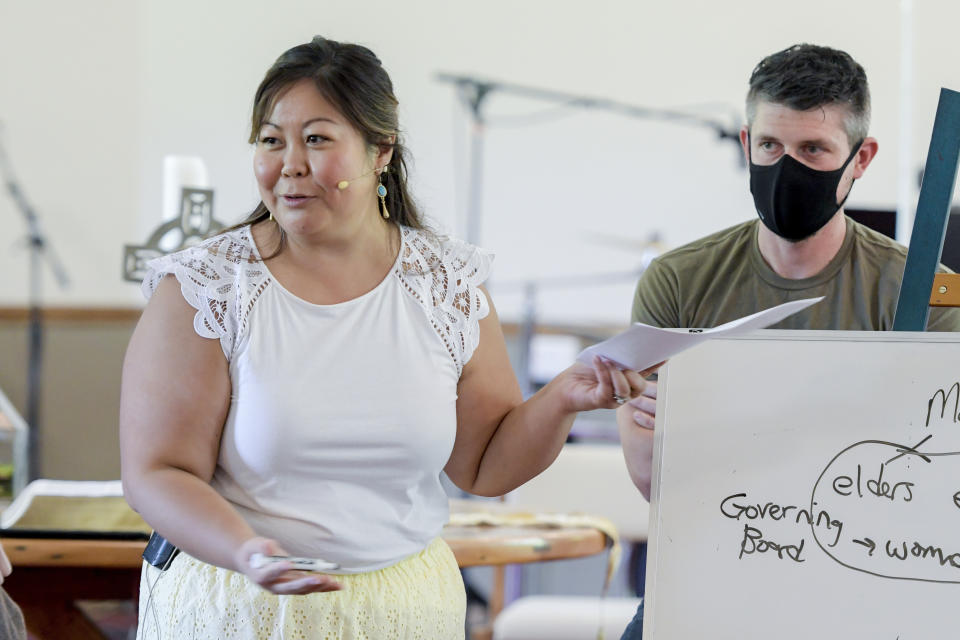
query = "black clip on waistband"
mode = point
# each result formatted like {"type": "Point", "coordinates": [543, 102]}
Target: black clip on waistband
{"type": "Point", "coordinates": [159, 552]}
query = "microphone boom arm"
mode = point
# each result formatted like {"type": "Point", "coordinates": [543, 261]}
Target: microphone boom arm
{"type": "Point", "coordinates": [475, 90]}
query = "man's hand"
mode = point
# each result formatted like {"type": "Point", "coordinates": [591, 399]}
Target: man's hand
{"type": "Point", "coordinates": [644, 406]}
{"type": "Point", "coordinates": [635, 420]}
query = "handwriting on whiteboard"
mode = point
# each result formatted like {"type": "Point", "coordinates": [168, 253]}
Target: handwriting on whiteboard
{"type": "Point", "coordinates": [877, 507]}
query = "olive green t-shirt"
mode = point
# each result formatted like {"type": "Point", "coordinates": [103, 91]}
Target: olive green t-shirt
{"type": "Point", "coordinates": [723, 277]}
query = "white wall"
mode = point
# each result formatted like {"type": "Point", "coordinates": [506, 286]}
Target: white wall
{"type": "Point", "coordinates": [68, 120]}
{"type": "Point", "coordinates": [92, 95]}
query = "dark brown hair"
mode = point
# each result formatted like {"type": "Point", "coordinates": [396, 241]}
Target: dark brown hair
{"type": "Point", "coordinates": [806, 76]}
{"type": "Point", "coordinates": [353, 80]}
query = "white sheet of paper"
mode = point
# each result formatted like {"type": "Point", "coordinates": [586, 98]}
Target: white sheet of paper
{"type": "Point", "coordinates": [642, 346]}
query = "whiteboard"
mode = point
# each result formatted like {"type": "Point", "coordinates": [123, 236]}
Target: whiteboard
{"type": "Point", "coordinates": [807, 486]}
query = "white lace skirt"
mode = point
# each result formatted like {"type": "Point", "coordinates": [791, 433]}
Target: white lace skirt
{"type": "Point", "coordinates": [420, 598]}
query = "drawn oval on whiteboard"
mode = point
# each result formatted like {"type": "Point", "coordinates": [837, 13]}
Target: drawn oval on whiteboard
{"type": "Point", "coordinates": [894, 511]}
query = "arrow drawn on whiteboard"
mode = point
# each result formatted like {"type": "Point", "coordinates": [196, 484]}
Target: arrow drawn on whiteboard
{"type": "Point", "coordinates": [911, 451]}
{"type": "Point", "coordinates": [869, 544]}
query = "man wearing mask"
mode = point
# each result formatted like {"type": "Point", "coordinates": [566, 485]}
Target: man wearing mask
{"type": "Point", "coordinates": [805, 141]}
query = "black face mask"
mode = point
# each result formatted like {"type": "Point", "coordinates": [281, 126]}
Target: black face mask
{"type": "Point", "coordinates": [793, 200]}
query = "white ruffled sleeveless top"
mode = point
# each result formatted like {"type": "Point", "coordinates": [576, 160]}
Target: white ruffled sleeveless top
{"type": "Point", "coordinates": [342, 416]}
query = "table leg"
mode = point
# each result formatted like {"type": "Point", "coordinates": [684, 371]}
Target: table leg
{"type": "Point", "coordinates": [497, 592]}
{"type": "Point", "coordinates": [494, 606]}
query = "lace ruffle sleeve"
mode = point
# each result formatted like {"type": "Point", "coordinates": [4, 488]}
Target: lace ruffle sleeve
{"type": "Point", "coordinates": [446, 274]}
{"type": "Point", "coordinates": [213, 276]}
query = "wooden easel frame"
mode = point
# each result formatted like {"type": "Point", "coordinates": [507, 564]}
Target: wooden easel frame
{"type": "Point", "coordinates": [918, 289]}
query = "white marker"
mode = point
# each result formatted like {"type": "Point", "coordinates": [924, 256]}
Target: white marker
{"type": "Point", "coordinates": [259, 560]}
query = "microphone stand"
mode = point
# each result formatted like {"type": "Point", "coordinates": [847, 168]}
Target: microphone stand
{"type": "Point", "coordinates": [474, 91]}
{"type": "Point", "coordinates": [40, 249]}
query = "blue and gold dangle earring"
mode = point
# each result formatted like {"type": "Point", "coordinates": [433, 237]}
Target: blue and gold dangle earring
{"type": "Point", "coordinates": [382, 192]}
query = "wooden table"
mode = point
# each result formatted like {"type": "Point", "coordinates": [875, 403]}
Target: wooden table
{"type": "Point", "coordinates": [497, 546]}
{"type": "Point", "coordinates": [50, 575]}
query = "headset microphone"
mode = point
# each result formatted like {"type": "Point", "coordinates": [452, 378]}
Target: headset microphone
{"type": "Point", "coordinates": [343, 184]}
